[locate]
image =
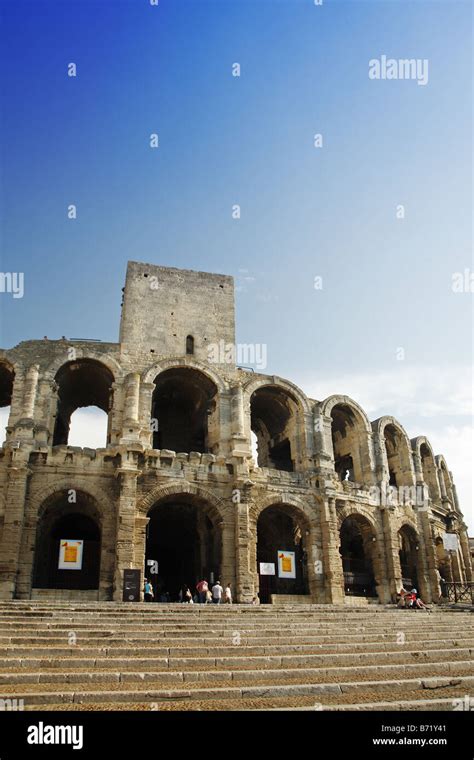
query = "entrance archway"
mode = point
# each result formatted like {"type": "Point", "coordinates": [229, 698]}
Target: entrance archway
{"type": "Point", "coordinates": [184, 538]}
{"type": "Point", "coordinates": [408, 553]}
{"type": "Point", "coordinates": [356, 550]}
{"type": "Point", "coordinates": [281, 528]}
{"type": "Point", "coordinates": [63, 521]}
{"type": "Point", "coordinates": [185, 411]}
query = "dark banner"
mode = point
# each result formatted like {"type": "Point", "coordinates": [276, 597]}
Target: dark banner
{"type": "Point", "coordinates": [381, 734]}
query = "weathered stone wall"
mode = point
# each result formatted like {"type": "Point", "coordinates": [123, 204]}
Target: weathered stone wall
{"type": "Point", "coordinates": [128, 477]}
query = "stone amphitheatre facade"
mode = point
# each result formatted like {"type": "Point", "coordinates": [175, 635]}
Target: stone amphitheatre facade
{"type": "Point", "coordinates": [363, 507]}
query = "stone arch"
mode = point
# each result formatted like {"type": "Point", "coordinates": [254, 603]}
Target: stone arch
{"type": "Point", "coordinates": [151, 373]}
{"type": "Point", "coordinates": [275, 414]}
{"type": "Point", "coordinates": [445, 480]}
{"type": "Point", "coordinates": [38, 496]}
{"type": "Point", "coordinates": [185, 402]}
{"type": "Point", "coordinates": [424, 451]}
{"type": "Point", "coordinates": [395, 452]}
{"type": "Point", "coordinates": [281, 523]}
{"type": "Point", "coordinates": [330, 402]}
{"type": "Point", "coordinates": [410, 548]}
{"type": "Point", "coordinates": [46, 508]}
{"type": "Point", "coordinates": [177, 488]}
{"type": "Point", "coordinates": [289, 500]}
{"type": "Point", "coordinates": [184, 528]}
{"type": "Point", "coordinates": [254, 384]}
{"type": "Point", "coordinates": [106, 359]}
{"type": "Point", "coordinates": [350, 438]}
{"type": "Point", "coordinates": [80, 383]}
{"type": "Point", "coordinates": [362, 552]}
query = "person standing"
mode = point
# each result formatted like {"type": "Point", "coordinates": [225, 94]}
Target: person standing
{"type": "Point", "coordinates": [202, 588]}
{"type": "Point", "coordinates": [148, 591]}
{"type": "Point", "coordinates": [228, 594]}
{"type": "Point", "coordinates": [217, 592]}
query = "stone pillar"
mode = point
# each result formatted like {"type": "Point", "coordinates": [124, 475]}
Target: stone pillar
{"type": "Point", "coordinates": [225, 530]}
{"type": "Point", "coordinates": [465, 552]}
{"type": "Point", "coordinates": [146, 401]}
{"type": "Point", "coordinates": [315, 554]}
{"type": "Point", "coordinates": [429, 552]}
{"type": "Point", "coordinates": [332, 562]}
{"type": "Point", "coordinates": [246, 576]}
{"type": "Point", "coordinates": [442, 485]}
{"type": "Point", "coordinates": [394, 571]}
{"type": "Point", "coordinates": [124, 553]}
{"type": "Point", "coordinates": [29, 393]}
{"type": "Point", "coordinates": [131, 407]}
{"type": "Point", "coordinates": [16, 489]}
{"type": "Point", "coordinates": [240, 443]}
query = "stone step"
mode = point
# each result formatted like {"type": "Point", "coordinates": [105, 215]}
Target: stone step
{"type": "Point", "coordinates": [375, 672]}
{"type": "Point", "coordinates": [401, 686]}
{"type": "Point", "coordinates": [220, 651]}
{"type": "Point", "coordinates": [399, 655]}
{"type": "Point", "coordinates": [50, 637]}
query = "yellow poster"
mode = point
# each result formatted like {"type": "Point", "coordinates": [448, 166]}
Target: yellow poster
{"type": "Point", "coordinates": [286, 564]}
{"type": "Point", "coordinates": [70, 554]}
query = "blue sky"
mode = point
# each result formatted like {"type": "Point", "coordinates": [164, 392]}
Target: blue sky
{"type": "Point", "coordinates": [305, 212]}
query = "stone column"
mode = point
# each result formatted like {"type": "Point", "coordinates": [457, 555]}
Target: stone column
{"type": "Point", "coordinates": [465, 552]}
{"type": "Point", "coordinates": [332, 562]}
{"type": "Point", "coordinates": [423, 569]}
{"type": "Point", "coordinates": [146, 401]}
{"type": "Point", "coordinates": [315, 554]}
{"type": "Point", "coordinates": [16, 489]}
{"type": "Point", "coordinates": [131, 407]}
{"type": "Point", "coordinates": [394, 571]}
{"type": "Point", "coordinates": [124, 553]}
{"type": "Point", "coordinates": [29, 393]}
{"type": "Point", "coordinates": [429, 552]}
{"type": "Point", "coordinates": [240, 444]}
{"type": "Point", "coordinates": [246, 575]}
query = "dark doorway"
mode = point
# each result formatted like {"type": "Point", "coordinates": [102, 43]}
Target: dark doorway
{"type": "Point", "coordinates": [184, 541]}
{"type": "Point", "coordinates": [356, 561]}
{"type": "Point", "coordinates": [408, 554]}
{"type": "Point", "coordinates": [73, 526]}
{"type": "Point", "coordinates": [184, 409]}
{"type": "Point", "coordinates": [279, 530]}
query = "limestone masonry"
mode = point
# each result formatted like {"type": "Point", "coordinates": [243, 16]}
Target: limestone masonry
{"type": "Point", "coordinates": [338, 509]}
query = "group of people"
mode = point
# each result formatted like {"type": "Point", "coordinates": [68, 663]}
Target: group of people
{"type": "Point", "coordinates": [214, 595]}
{"type": "Point", "coordinates": [204, 594]}
{"type": "Point", "coordinates": [410, 600]}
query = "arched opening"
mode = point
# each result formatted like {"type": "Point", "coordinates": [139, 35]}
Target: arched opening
{"type": "Point", "coordinates": [82, 383]}
{"type": "Point", "coordinates": [190, 345]}
{"type": "Point", "coordinates": [185, 407]}
{"type": "Point", "coordinates": [398, 457]}
{"type": "Point", "coordinates": [88, 427]}
{"type": "Point", "coordinates": [357, 547]}
{"type": "Point", "coordinates": [429, 471]}
{"type": "Point", "coordinates": [282, 530]}
{"type": "Point", "coordinates": [348, 442]}
{"type": "Point", "coordinates": [60, 562]}
{"type": "Point", "coordinates": [184, 537]}
{"type": "Point", "coordinates": [443, 564]}
{"type": "Point", "coordinates": [447, 483]}
{"type": "Point", "coordinates": [7, 377]}
{"type": "Point", "coordinates": [408, 553]}
{"type": "Point", "coordinates": [273, 419]}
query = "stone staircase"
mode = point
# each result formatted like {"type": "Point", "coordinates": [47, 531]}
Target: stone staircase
{"type": "Point", "coordinates": [111, 656]}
